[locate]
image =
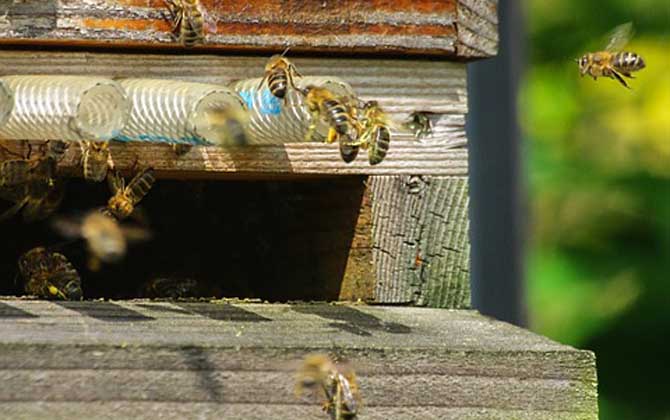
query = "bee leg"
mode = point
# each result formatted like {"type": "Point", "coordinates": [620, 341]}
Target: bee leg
{"type": "Point", "coordinates": [333, 136]}
{"type": "Point", "coordinates": [628, 75]}
{"type": "Point", "coordinates": [620, 79]}
{"type": "Point", "coordinates": [310, 132]}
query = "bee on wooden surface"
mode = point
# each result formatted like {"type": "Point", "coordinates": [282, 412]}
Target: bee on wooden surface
{"type": "Point", "coordinates": [106, 239]}
{"type": "Point", "coordinates": [170, 288]}
{"type": "Point", "coordinates": [49, 275]}
{"type": "Point", "coordinates": [181, 149]}
{"type": "Point", "coordinates": [323, 105]}
{"type": "Point", "coordinates": [339, 389]}
{"type": "Point", "coordinates": [39, 195]}
{"type": "Point", "coordinates": [96, 160]}
{"type": "Point", "coordinates": [189, 21]}
{"type": "Point", "coordinates": [612, 62]}
{"type": "Point", "coordinates": [280, 74]}
{"type": "Point", "coordinates": [419, 123]}
{"type": "Point", "coordinates": [374, 132]}
{"type": "Point", "coordinates": [125, 198]}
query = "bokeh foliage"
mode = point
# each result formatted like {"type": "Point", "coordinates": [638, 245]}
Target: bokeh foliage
{"type": "Point", "coordinates": [598, 166]}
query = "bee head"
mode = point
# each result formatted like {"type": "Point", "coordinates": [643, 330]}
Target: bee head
{"type": "Point", "coordinates": [583, 62]}
{"type": "Point", "coordinates": [73, 291]}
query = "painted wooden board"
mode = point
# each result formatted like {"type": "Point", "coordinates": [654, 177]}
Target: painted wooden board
{"type": "Point", "coordinates": [120, 359]}
{"type": "Point", "coordinates": [462, 29]}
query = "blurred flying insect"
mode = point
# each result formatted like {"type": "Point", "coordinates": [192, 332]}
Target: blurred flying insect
{"type": "Point", "coordinates": [190, 21]}
{"type": "Point", "coordinates": [96, 160]}
{"type": "Point", "coordinates": [106, 239]}
{"type": "Point", "coordinates": [49, 275]}
{"type": "Point", "coordinates": [338, 387]}
{"type": "Point", "coordinates": [419, 123]}
{"type": "Point", "coordinates": [375, 134]}
{"type": "Point", "coordinates": [280, 74]}
{"type": "Point", "coordinates": [37, 192]}
{"type": "Point", "coordinates": [323, 105]}
{"type": "Point", "coordinates": [170, 287]}
{"type": "Point", "coordinates": [612, 62]}
{"type": "Point", "coordinates": [125, 198]}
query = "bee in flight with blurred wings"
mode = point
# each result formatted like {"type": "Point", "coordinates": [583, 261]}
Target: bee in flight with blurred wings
{"type": "Point", "coordinates": [612, 62]}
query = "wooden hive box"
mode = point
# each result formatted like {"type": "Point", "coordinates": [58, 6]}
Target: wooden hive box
{"type": "Point", "coordinates": [291, 223]}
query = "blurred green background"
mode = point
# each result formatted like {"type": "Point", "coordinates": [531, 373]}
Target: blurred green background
{"type": "Point", "coordinates": [598, 170]}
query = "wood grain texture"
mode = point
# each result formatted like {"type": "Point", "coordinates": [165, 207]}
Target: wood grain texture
{"type": "Point", "coordinates": [401, 86]}
{"type": "Point", "coordinates": [437, 27]}
{"type": "Point", "coordinates": [137, 359]}
{"type": "Point", "coordinates": [421, 250]}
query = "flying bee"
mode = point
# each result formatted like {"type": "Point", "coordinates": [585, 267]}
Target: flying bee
{"type": "Point", "coordinates": [323, 105]}
{"type": "Point", "coordinates": [125, 198]}
{"type": "Point", "coordinates": [280, 74]}
{"type": "Point", "coordinates": [106, 239]}
{"type": "Point", "coordinates": [170, 287]}
{"type": "Point", "coordinates": [96, 160]}
{"type": "Point", "coordinates": [374, 132]}
{"type": "Point", "coordinates": [339, 388]}
{"type": "Point", "coordinates": [189, 21]}
{"type": "Point", "coordinates": [612, 62]}
{"type": "Point", "coordinates": [181, 149]}
{"type": "Point", "coordinates": [49, 275]}
{"type": "Point", "coordinates": [39, 196]}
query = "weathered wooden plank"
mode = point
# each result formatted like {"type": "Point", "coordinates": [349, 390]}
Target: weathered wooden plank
{"type": "Point", "coordinates": [229, 359]}
{"type": "Point", "coordinates": [420, 240]}
{"type": "Point", "coordinates": [435, 27]}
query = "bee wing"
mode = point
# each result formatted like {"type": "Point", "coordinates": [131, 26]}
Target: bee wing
{"type": "Point", "coordinates": [619, 37]}
{"type": "Point", "coordinates": [40, 209]}
{"type": "Point", "coordinates": [135, 233]}
{"type": "Point", "coordinates": [70, 227]}
{"type": "Point", "coordinates": [15, 172]}
{"type": "Point", "coordinates": [140, 185]}
{"type": "Point", "coordinates": [208, 21]}
{"type": "Point", "coordinates": [115, 182]}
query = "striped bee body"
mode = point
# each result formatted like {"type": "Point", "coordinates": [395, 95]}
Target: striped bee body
{"type": "Point", "coordinates": [338, 116]}
{"type": "Point", "coordinates": [380, 145]}
{"type": "Point", "coordinates": [627, 62]}
{"type": "Point", "coordinates": [277, 82]}
{"type": "Point", "coordinates": [188, 21]}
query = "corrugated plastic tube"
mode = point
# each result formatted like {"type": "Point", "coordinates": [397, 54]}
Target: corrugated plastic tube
{"type": "Point", "coordinates": [173, 111]}
{"type": "Point", "coordinates": [64, 108]}
{"type": "Point", "coordinates": [275, 121]}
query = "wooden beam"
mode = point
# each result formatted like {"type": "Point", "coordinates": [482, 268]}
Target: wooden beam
{"type": "Point", "coordinates": [64, 360]}
{"type": "Point", "coordinates": [459, 29]}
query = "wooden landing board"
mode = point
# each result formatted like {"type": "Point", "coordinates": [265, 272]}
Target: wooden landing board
{"type": "Point", "coordinates": [138, 359]}
{"type": "Point", "coordinates": [462, 29]}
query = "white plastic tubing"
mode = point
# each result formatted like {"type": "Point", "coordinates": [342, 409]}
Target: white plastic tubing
{"type": "Point", "coordinates": [154, 110]}
{"type": "Point", "coordinates": [64, 108]}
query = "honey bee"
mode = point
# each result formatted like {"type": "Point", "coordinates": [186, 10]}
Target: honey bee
{"type": "Point", "coordinates": [49, 275]}
{"type": "Point", "coordinates": [280, 73]}
{"type": "Point", "coordinates": [612, 62]}
{"type": "Point", "coordinates": [180, 149]}
{"type": "Point", "coordinates": [189, 21]}
{"type": "Point", "coordinates": [374, 132]}
{"type": "Point", "coordinates": [339, 388]}
{"type": "Point", "coordinates": [14, 172]}
{"type": "Point", "coordinates": [419, 123]}
{"type": "Point", "coordinates": [125, 198]}
{"type": "Point", "coordinates": [324, 105]}
{"type": "Point", "coordinates": [170, 287]}
{"type": "Point", "coordinates": [106, 239]}
{"type": "Point", "coordinates": [95, 160]}
{"type": "Point", "coordinates": [55, 149]}
{"type": "Point", "coordinates": [38, 194]}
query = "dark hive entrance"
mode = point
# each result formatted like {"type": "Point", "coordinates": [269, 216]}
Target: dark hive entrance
{"type": "Point", "coordinates": [274, 240]}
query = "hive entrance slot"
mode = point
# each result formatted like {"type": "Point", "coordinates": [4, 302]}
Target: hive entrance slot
{"type": "Point", "coordinates": [273, 240]}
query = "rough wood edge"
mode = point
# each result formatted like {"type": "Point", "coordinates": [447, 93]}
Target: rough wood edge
{"type": "Point", "coordinates": [420, 240]}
